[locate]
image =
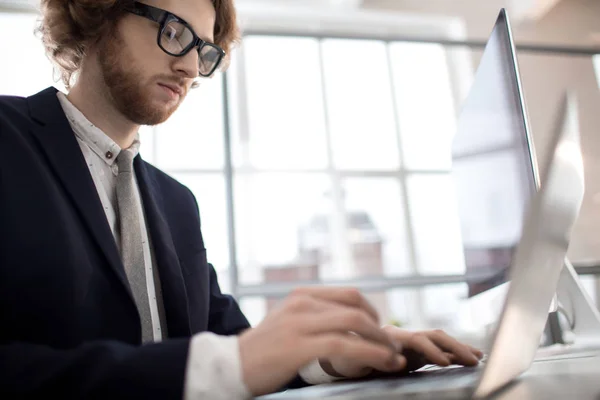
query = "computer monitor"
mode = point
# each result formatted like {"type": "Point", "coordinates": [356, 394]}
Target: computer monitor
{"type": "Point", "coordinates": [493, 163]}
{"type": "Point", "coordinates": [496, 174]}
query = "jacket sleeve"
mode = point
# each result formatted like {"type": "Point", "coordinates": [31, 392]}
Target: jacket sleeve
{"type": "Point", "coordinates": [95, 370]}
{"type": "Point", "coordinates": [225, 316]}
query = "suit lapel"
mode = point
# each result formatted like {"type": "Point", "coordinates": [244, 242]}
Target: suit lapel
{"type": "Point", "coordinates": [58, 142]}
{"type": "Point", "coordinates": [171, 277]}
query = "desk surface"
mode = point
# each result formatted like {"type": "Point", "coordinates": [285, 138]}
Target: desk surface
{"type": "Point", "coordinates": [576, 378]}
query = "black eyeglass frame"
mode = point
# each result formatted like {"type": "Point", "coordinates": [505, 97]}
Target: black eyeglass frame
{"type": "Point", "coordinates": [164, 17]}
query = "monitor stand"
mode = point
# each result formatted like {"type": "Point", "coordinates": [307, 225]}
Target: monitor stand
{"type": "Point", "coordinates": [574, 328]}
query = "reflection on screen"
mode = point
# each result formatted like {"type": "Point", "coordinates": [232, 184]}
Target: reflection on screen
{"type": "Point", "coordinates": [492, 167]}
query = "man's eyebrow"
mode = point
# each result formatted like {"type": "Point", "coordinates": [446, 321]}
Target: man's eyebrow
{"type": "Point", "coordinates": [206, 39]}
{"type": "Point", "coordinates": [203, 37]}
{"type": "Point", "coordinates": [193, 28]}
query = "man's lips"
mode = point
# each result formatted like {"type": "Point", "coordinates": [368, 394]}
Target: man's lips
{"type": "Point", "coordinates": [177, 90]}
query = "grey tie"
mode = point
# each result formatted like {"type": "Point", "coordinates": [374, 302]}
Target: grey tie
{"type": "Point", "coordinates": [132, 252]}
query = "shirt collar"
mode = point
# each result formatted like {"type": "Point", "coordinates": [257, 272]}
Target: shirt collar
{"type": "Point", "coordinates": [91, 135]}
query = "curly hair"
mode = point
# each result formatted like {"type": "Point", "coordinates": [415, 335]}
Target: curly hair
{"type": "Point", "coordinates": [69, 27]}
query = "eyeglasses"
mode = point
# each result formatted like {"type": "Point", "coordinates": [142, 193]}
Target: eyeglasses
{"type": "Point", "coordinates": [177, 38]}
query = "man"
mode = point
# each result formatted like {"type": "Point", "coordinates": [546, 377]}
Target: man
{"type": "Point", "coordinates": [105, 290]}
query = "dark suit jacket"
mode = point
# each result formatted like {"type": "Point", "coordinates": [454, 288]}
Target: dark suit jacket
{"type": "Point", "coordinates": [68, 323]}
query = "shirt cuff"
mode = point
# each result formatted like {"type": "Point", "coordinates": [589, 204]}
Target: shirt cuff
{"type": "Point", "coordinates": [214, 370]}
{"type": "Point", "coordinates": [314, 374]}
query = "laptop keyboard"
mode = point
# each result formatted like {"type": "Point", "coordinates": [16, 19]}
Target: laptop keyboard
{"type": "Point", "coordinates": [445, 372]}
{"type": "Point", "coordinates": [422, 382]}
{"type": "Point", "coordinates": [447, 381]}
{"type": "Point", "coordinates": [443, 380]}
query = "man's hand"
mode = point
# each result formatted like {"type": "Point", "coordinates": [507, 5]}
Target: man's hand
{"type": "Point", "coordinates": [314, 323]}
{"type": "Point", "coordinates": [418, 348]}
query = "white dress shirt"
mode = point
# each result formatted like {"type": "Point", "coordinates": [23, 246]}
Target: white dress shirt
{"type": "Point", "coordinates": [209, 354]}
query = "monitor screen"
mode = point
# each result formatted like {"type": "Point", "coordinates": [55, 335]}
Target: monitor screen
{"type": "Point", "coordinates": [492, 165]}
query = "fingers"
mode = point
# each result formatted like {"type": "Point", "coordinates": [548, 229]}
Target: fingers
{"type": "Point", "coordinates": [326, 313]}
{"type": "Point", "coordinates": [346, 296]}
{"type": "Point", "coordinates": [314, 315]}
{"type": "Point", "coordinates": [352, 347]}
{"type": "Point", "coordinates": [478, 353]}
{"type": "Point", "coordinates": [463, 354]}
{"type": "Point", "coordinates": [455, 359]}
{"type": "Point", "coordinates": [339, 318]}
{"type": "Point", "coordinates": [436, 345]}
{"type": "Point", "coordinates": [422, 344]}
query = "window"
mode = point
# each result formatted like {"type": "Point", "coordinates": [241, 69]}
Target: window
{"type": "Point", "coordinates": [359, 105]}
{"type": "Point", "coordinates": [340, 171]}
{"type": "Point", "coordinates": [422, 87]}
{"type": "Point", "coordinates": [339, 131]}
{"type": "Point", "coordinates": [190, 147]}
{"type": "Point", "coordinates": [276, 215]}
{"type": "Point", "coordinates": [437, 306]}
{"type": "Point", "coordinates": [25, 70]}
{"type": "Point", "coordinates": [192, 139]}
{"type": "Point", "coordinates": [286, 121]}
{"type": "Point", "coordinates": [596, 61]}
{"type": "Point", "coordinates": [435, 224]}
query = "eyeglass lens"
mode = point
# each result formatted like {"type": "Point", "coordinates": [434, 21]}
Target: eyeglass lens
{"type": "Point", "coordinates": [176, 38]}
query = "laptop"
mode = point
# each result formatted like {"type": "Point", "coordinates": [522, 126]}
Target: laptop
{"type": "Point", "coordinates": [533, 274]}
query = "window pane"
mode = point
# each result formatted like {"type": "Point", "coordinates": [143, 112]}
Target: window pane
{"type": "Point", "coordinates": [359, 105]}
{"type": "Point", "coordinates": [224, 280]}
{"type": "Point", "coordinates": [590, 284]}
{"type": "Point", "coordinates": [285, 103]}
{"type": "Point", "coordinates": [279, 220]}
{"type": "Point", "coordinates": [425, 104]}
{"type": "Point", "coordinates": [596, 61]}
{"type": "Point", "coordinates": [430, 307]}
{"type": "Point", "coordinates": [255, 308]}
{"type": "Point", "coordinates": [193, 136]}
{"type": "Point", "coordinates": [376, 227]}
{"type": "Point", "coordinates": [436, 306]}
{"type": "Point", "coordinates": [28, 71]}
{"type": "Point", "coordinates": [435, 224]}
{"type": "Point", "coordinates": [147, 147]}
{"type": "Point", "coordinates": [209, 190]}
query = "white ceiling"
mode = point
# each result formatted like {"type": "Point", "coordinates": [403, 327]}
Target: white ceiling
{"type": "Point", "coordinates": [566, 22]}
{"type": "Point", "coordinates": [560, 22]}
{"type": "Point", "coordinates": [474, 12]}
{"type": "Point", "coordinates": [520, 8]}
